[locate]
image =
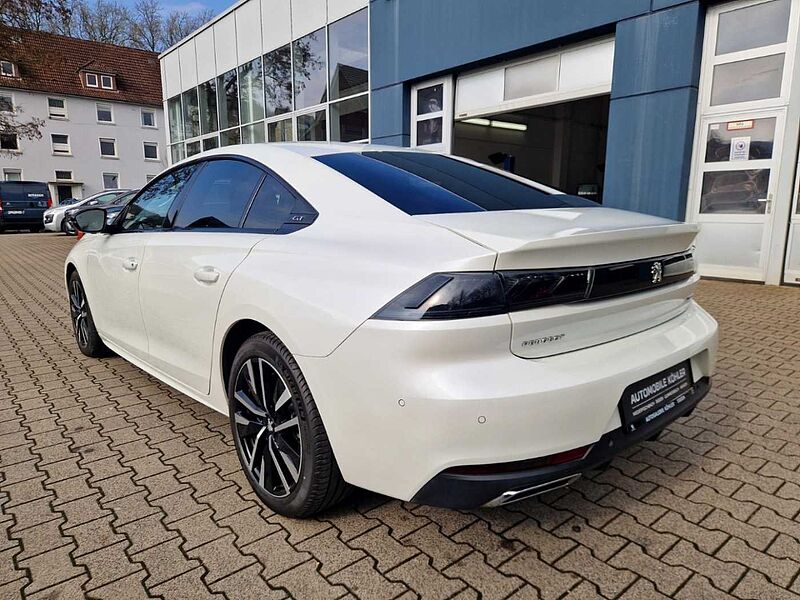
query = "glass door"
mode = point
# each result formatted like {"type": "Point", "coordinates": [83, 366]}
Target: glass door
{"type": "Point", "coordinates": [735, 193]}
{"type": "Point", "coordinates": [791, 273]}
{"type": "Point", "coordinates": [745, 83]}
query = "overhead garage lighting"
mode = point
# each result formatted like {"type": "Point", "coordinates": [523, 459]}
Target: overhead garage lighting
{"type": "Point", "coordinates": [497, 124]}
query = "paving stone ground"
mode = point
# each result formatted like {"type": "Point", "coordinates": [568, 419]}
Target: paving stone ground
{"type": "Point", "coordinates": [113, 485]}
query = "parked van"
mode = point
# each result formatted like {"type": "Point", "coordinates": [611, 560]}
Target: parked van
{"type": "Point", "coordinates": [22, 204]}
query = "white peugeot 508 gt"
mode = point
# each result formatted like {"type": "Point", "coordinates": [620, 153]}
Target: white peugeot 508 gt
{"type": "Point", "coordinates": [412, 323]}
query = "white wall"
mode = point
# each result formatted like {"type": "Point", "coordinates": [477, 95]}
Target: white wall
{"type": "Point", "coordinates": [38, 163]}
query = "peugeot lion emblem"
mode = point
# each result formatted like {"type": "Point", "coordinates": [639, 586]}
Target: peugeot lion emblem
{"type": "Point", "coordinates": [657, 272]}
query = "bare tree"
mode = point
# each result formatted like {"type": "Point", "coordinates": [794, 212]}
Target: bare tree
{"type": "Point", "coordinates": [147, 27]}
{"type": "Point", "coordinates": [105, 21]}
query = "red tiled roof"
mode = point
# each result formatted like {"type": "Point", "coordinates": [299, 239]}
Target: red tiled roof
{"type": "Point", "coordinates": [59, 61]}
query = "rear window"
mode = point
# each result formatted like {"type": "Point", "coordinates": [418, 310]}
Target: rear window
{"type": "Point", "coordinates": [423, 184]}
{"type": "Point", "coordinates": [15, 192]}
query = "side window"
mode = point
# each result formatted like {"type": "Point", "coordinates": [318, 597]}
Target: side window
{"type": "Point", "coordinates": [149, 210]}
{"type": "Point", "coordinates": [276, 206]}
{"type": "Point", "coordinates": [219, 196]}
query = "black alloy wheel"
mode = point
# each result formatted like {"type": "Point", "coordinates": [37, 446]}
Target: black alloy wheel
{"type": "Point", "coordinates": [86, 335]}
{"type": "Point", "coordinates": [268, 427]}
{"type": "Point", "coordinates": [279, 436]}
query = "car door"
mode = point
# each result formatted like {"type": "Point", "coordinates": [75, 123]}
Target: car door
{"type": "Point", "coordinates": [113, 264]}
{"type": "Point", "coordinates": [185, 269]}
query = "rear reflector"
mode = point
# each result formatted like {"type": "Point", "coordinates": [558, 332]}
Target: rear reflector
{"type": "Point", "coordinates": [551, 460]}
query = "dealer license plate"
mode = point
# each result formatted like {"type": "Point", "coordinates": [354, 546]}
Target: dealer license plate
{"type": "Point", "coordinates": [15, 212]}
{"type": "Point", "coordinates": [656, 397]}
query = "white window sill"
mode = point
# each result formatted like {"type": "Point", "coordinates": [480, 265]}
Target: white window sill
{"type": "Point", "coordinates": [109, 157]}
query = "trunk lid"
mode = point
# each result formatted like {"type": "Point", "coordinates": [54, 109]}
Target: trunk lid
{"type": "Point", "coordinates": [568, 237]}
{"type": "Point", "coordinates": [622, 242]}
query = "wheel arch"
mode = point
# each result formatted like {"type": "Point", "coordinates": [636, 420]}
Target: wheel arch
{"type": "Point", "coordinates": [236, 335]}
{"type": "Point", "coordinates": [68, 271]}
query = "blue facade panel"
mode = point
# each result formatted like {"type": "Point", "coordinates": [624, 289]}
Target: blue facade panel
{"type": "Point", "coordinates": [654, 90]}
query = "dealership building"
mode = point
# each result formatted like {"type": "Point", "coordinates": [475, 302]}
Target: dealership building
{"type": "Point", "coordinates": [684, 109]}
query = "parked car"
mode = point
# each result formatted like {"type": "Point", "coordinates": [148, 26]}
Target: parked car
{"type": "Point", "coordinates": [408, 322]}
{"type": "Point", "coordinates": [22, 204]}
{"type": "Point", "coordinates": [53, 218]}
{"type": "Point", "coordinates": [108, 202]}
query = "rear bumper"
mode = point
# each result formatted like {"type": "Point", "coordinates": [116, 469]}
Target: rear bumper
{"type": "Point", "coordinates": [404, 402]}
{"type": "Point", "coordinates": [21, 221]}
{"type": "Point", "coordinates": [469, 491]}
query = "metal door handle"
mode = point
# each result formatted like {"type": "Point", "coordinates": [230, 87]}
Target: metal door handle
{"type": "Point", "coordinates": [130, 264]}
{"type": "Point", "coordinates": [206, 275]}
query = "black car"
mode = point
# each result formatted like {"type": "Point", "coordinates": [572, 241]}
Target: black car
{"type": "Point", "coordinates": [22, 204]}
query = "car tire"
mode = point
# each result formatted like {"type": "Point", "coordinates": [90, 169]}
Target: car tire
{"type": "Point", "coordinates": [64, 227]}
{"type": "Point", "coordinates": [291, 467]}
{"type": "Point", "coordinates": [83, 328]}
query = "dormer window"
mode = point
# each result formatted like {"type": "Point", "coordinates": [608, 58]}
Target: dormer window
{"type": "Point", "coordinates": [92, 80]}
{"type": "Point", "coordinates": [7, 68]}
{"type": "Point", "coordinates": [107, 82]}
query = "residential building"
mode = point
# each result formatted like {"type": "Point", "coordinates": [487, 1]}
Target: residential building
{"type": "Point", "coordinates": [687, 109]}
{"type": "Point", "coordinates": [102, 111]}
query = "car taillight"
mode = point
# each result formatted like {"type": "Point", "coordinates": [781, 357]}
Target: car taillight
{"type": "Point", "coordinates": [49, 202]}
{"type": "Point", "coordinates": [469, 295]}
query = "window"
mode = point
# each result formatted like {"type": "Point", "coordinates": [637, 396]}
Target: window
{"type": "Point", "coordinates": [105, 113]}
{"type": "Point", "coordinates": [12, 174]}
{"type": "Point", "coordinates": [253, 134]}
{"type": "Point", "coordinates": [191, 114]}
{"type": "Point", "coordinates": [210, 143]}
{"type": "Point", "coordinates": [278, 81]}
{"type": "Point", "coordinates": [149, 210]}
{"type": "Point", "coordinates": [110, 181]}
{"type": "Point", "coordinates": [7, 68]}
{"type": "Point", "coordinates": [107, 82]}
{"type": "Point", "coordinates": [150, 150]}
{"type": "Point", "coordinates": [192, 148]}
{"type": "Point", "coordinates": [228, 100]}
{"type": "Point", "coordinates": [65, 175]}
{"type": "Point", "coordinates": [251, 91]}
{"type": "Point", "coordinates": [177, 152]}
{"type": "Point", "coordinates": [349, 64]}
{"type": "Point", "coordinates": [57, 108]}
{"type": "Point", "coordinates": [149, 178]}
{"type": "Point", "coordinates": [229, 137]}
{"type": "Point", "coordinates": [208, 106]}
{"type": "Point", "coordinates": [747, 80]}
{"type": "Point", "coordinates": [420, 184]}
{"type": "Point", "coordinates": [60, 143]}
{"type": "Point", "coordinates": [310, 73]}
{"type": "Point", "coordinates": [148, 118]}
{"type": "Point", "coordinates": [9, 141]}
{"type": "Point", "coordinates": [108, 147]}
{"type": "Point", "coordinates": [753, 26]}
{"type": "Point", "coordinates": [312, 127]}
{"type": "Point", "coordinates": [91, 80]}
{"type": "Point", "coordinates": [350, 119]}
{"type": "Point", "coordinates": [6, 103]}
{"type": "Point", "coordinates": [735, 192]}
{"type": "Point", "coordinates": [274, 206]}
{"type": "Point", "coordinates": [280, 131]}
{"type": "Point", "coordinates": [175, 119]}
{"type": "Point", "coordinates": [219, 196]}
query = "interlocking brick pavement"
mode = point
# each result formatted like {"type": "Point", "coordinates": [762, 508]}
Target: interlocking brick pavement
{"type": "Point", "coordinates": [113, 485]}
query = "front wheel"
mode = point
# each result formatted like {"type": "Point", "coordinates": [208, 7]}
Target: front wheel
{"type": "Point", "coordinates": [278, 432]}
{"type": "Point", "coordinates": [86, 335]}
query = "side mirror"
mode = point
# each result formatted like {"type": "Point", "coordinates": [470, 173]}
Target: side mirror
{"type": "Point", "coordinates": [92, 220]}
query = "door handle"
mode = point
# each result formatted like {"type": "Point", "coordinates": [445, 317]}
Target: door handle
{"type": "Point", "coordinates": [130, 264]}
{"type": "Point", "coordinates": [206, 275]}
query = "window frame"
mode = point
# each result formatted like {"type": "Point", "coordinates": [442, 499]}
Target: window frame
{"type": "Point", "coordinates": [96, 83]}
{"type": "Point", "coordinates": [7, 170]}
{"type": "Point", "coordinates": [15, 150]}
{"type": "Point", "coordinates": [103, 180]}
{"type": "Point", "coordinates": [57, 178]}
{"type": "Point", "coordinates": [266, 173]}
{"type": "Point", "coordinates": [13, 110]}
{"type": "Point", "coordinates": [158, 151]}
{"type": "Point", "coordinates": [50, 115]}
{"type": "Point", "coordinates": [100, 146]}
{"type": "Point", "coordinates": [13, 68]}
{"type": "Point", "coordinates": [98, 106]}
{"type": "Point", "coordinates": [151, 111]}
{"type": "Point", "coordinates": [111, 85]}
{"type": "Point", "coordinates": [68, 145]}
